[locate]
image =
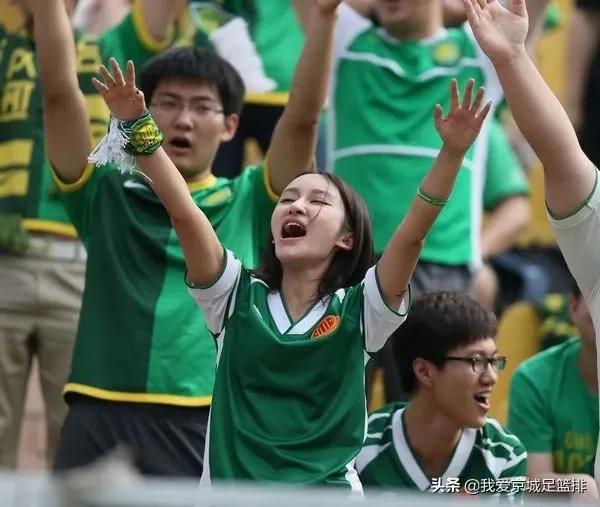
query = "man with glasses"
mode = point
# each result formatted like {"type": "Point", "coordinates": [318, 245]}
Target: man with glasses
{"type": "Point", "coordinates": [442, 440]}
{"type": "Point", "coordinates": [143, 366]}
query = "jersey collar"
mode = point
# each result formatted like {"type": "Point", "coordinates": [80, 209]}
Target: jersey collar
{"type": "Point", "coordinates": [411, 465]}
{"type": "Point", "coordinates": [440, 34]}
{"type": "Point", "coordinates": [283, 321]}
{"type": "Point", "coordinates": [202, 184]}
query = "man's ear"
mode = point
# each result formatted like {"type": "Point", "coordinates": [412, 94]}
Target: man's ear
{"type": "Point", "coordinates": [424, 371]}
{"type": "Point", "coordinates": [231, 124]}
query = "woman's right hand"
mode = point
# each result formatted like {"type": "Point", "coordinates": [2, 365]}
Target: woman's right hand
{"type": "Point", "coordinates": [121, 95]}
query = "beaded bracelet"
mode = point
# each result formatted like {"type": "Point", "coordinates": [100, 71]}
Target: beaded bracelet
{"type": "Point", "coordinates": [431, 200]}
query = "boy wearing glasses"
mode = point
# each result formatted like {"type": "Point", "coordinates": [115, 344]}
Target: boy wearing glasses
{"type": "Point", "coordinates": [442, 440]}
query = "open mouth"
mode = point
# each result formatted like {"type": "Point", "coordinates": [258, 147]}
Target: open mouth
{"type": "Point", "coordinates": [293, 230]}
{"type": "Point", "coordinates": [180, 142]}
{"type": "Point", "coordinates": [483, 400]}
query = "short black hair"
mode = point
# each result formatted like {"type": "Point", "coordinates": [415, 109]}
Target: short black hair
{"type": "Point", "coordinates": [198, 66]}
{"type": "Point", "coordinates": [437, 323]}
{"type": "Point", "coordinates": [348, 267]}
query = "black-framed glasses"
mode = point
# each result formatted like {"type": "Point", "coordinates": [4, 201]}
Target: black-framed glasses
{"type": "Point", "coordinates": [480, 364]}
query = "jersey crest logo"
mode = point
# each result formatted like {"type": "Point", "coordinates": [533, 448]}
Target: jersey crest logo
{"type": "Point", "coordinates": [327, 326]}
{"type": "Point", "coordinates": [446, 54]}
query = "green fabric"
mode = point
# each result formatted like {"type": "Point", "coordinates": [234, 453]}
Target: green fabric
{"type": "Point", "coordinates": [552, 410]}
{"type": "Point", "coordinates": [22, 136]}
{"type": "Point", "coordinates": [25, 186]}
{"type": "Point", "coordinates": [139, 331]}
{"type": "Point", "coordinates": [552, 17]}
{"type": "Point", "coordinates": [279, 40]}
{"type": "Point", "coordinates": [387, 460]}
{"type": "Point", "coordinates": [288, 405]}
{"type": "Point", "coordinates": [275, 31]}
{"type": "Point", "coordinates": [389, 89]}
{"type": "Point", "coordinates": [504, 176]}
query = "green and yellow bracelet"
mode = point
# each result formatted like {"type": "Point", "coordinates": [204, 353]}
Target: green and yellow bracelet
{"type": "Point", "coordinates": [431, 200]}
{"type": "Point", "coordinates": [144, 136]}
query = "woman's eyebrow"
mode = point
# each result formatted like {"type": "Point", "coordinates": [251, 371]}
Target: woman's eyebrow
{"type": "Point", "coordinates": [321, 193]}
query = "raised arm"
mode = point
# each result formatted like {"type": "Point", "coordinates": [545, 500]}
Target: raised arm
{"type": "Point", "coordinates": [302, 8]}
{"type": "Point", "coordinates": [458, 130]}
{"type": "Point", "coordinates": [295, 137]}
{"type": "Point", "coordinates": [501, 33]}
{"type": "Point", "coordinates": [66, 120]}
{"type": "Point", "coordinates": [201, 248]}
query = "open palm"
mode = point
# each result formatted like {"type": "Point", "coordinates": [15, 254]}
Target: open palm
{"type": "Point", "coordinates": [500, 32]}
{"type": "Point", "coordinates": [122, 97]}
{"type": "Point", "coordinates": [460, 127]}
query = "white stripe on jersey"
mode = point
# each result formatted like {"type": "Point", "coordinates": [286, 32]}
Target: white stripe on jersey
{"type": "Point", "coordinates": [367, 454]}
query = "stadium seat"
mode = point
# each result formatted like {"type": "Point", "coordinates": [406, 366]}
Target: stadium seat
{"type": "Point", "coordinates": [517, 340]}
{"type": "Point", "coordinates": [377, 392]}
{"type": "Point", "coordinates": [539, 232]}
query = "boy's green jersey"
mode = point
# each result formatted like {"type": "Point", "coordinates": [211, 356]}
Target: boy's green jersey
{"type": "Point", "coordinates": [141, 337]}
{"type": "Point", "coordinates": [382, 136]}
{"type": "Point", "coordinates": [488, 453]}
{"type": "Point", "coordinates": [289, 401]}
{"type": "Point", "coordinates": [27, 189]}
{"type": "Point", "coordinates": [552, 410]}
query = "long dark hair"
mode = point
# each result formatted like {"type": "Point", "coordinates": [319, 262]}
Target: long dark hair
{"type": "Point", "coordinates": [348, 267]}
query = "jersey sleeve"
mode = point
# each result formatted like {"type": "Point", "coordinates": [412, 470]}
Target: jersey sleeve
{"type": "Point", "coordinates": [527, 414]}
{"type": "Point", "coordinates": [215, 300]}
{"type": "Point", "coordinates": [379, 319]}
{"type": "Point", "coordinates": [578, 237]}
{"type": "Point", "coordinates": [78, 196]}
{"type": "Point", "coordinates": [349, 24]}
{"type": "Point", "coordinates": [504, 176]}
{"type": "Point", "coordinates": [131, 40]}
{"type": "Point", "coordinates": [378, 436]}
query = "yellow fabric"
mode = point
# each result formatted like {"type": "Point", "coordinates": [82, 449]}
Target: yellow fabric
{"type": "Point", "coordinates": [267, 98]}
{"type": "Point", "coordinates": [75, 185]}
{"type": "Point", "coordinates": [207, 182]}
{"type": "Point", "coordinates": [164, 399]}
{"type": "Point", "coordinates": [267, 180]}
{"type": "Point", "coordinates": [149, 42]}
{"type": "Point", "coordinates": [377, 395]}
{"type": "Point", "coordinates": [35, 225]}
{"type": "Point", "coordinates": [517, 340]}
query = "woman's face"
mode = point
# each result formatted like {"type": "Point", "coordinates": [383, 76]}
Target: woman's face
{"type": "Point", "coordinates": [308, 223]}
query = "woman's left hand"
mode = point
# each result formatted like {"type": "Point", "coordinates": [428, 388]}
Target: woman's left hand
{"type": "Point", "coordinates": [460, 127]}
